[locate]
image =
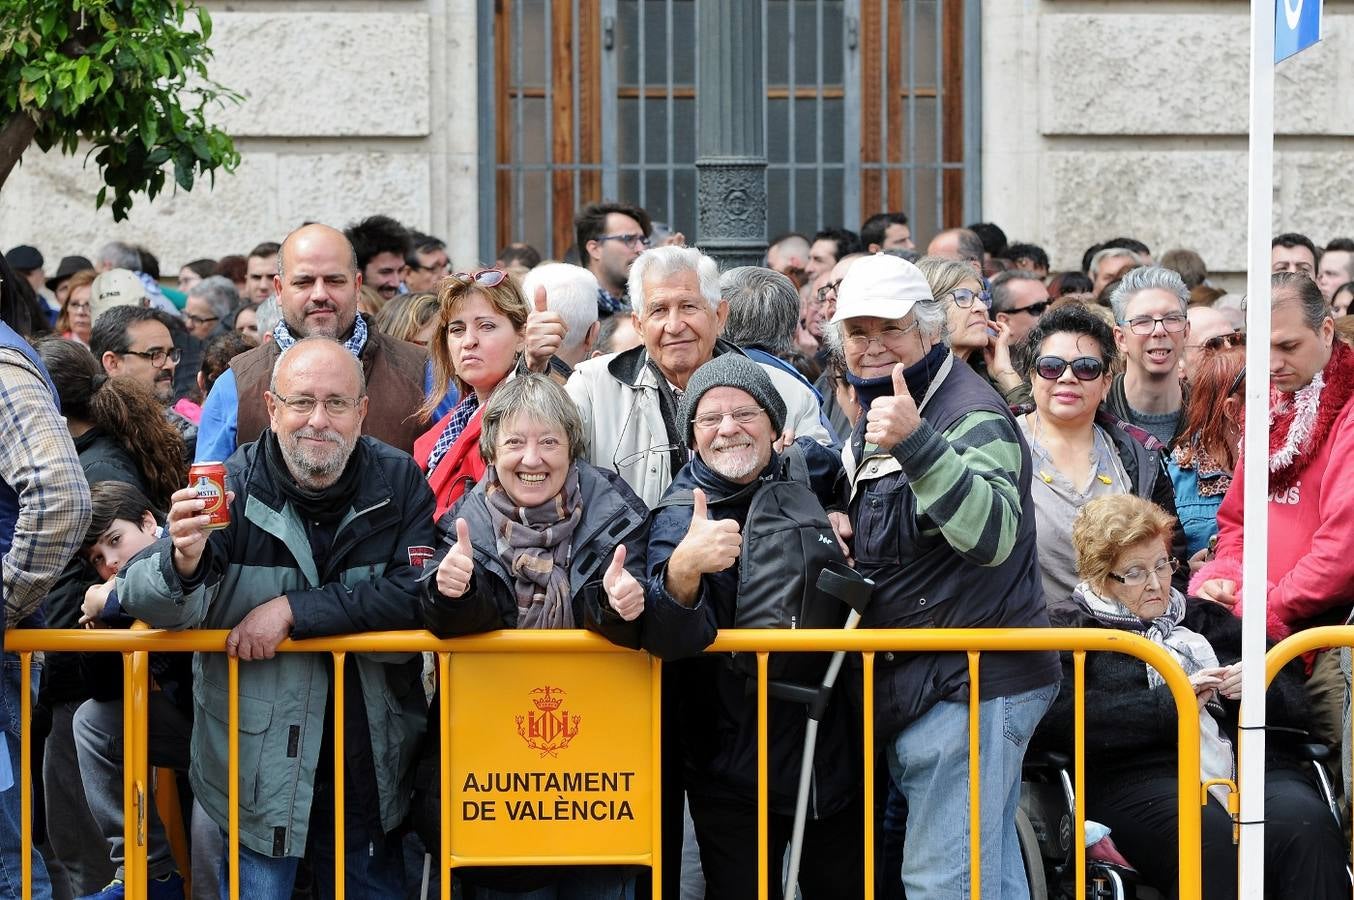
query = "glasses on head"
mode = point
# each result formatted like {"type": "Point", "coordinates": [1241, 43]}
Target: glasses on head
{"type": "Point", "coordinates": [1219, 341]}
{"type": "Point", "coordinates": [484, 277]}
{"type": "Point", "coordinates": [1084, 368]}
{"type": "Point", "coordinates": [888, 336]}
{"type": "Point", "coordinates": [1034, 309]}
{"type": "Point", "coordinates": [157, 356]}
{"type": "Point", "coordinates": [1174, 323]}
{"type": "Point", "coordinates": [200, 320]}
{"type": "Point", "coordinates": [337, 407]}
{"type": "Point", "coordinates": [629, 240]}
{"type": "Point", "coordinates": [740, 416]}
{"type": "Point", "coordinates": [963, 297]}
{"type": "Point", "coordinates": [1137, 576]}
{"type": "Point", "coordinates": [829, 291]}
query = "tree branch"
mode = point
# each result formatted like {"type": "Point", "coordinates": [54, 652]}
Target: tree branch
{"type": "Point", "coordinates": [15, 136]}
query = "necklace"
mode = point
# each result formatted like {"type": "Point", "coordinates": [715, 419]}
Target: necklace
{"type": "Point", "coordinates": [1094, 458]}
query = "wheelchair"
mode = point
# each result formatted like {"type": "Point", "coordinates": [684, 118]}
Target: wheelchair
{"type": "Point", "coordinates": [1045, 824]}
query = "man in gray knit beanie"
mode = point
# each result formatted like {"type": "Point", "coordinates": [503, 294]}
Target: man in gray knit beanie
{"type": "Point", "coordinates": [731, 370]}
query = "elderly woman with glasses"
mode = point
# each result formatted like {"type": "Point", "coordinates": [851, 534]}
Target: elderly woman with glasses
{"type": "Point", "coordinates": [1080, 451]}
{"type": "Point", "coordinates": [1124, 561]}
{"type": "Point", "coordinates": [1206, 452]}
{"type": "Point", "coordinates": [974, 338]}
{"type": "Point", "coordinates": [544, 541]}
{"type": "Point", "coordinates": [478, 337]}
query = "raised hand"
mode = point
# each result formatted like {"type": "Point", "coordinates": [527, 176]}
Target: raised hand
{"type": "Point", "coordinates": [1219, 590]}
{"type": "Point", "coordinates": [708, 547]}
{"type": "Point", "coordinates": [997, 356]}
{"type": "Point", "coordinates": [622, 590]}
{"type": "Point", "coordinates": [188, 528]}
{"type": "Point", "coordinates": [892, 419]}
{"type": "Point", "coordinates": [544, 333]}
{"type": "Point", "coordinates": [457, 567]}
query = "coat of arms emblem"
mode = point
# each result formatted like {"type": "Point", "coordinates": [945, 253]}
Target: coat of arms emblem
{"type": "Point", "coordinates": [549, 728]}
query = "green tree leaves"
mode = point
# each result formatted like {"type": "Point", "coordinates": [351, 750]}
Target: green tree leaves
{"type": "Point", "coordinates": [129, 77]}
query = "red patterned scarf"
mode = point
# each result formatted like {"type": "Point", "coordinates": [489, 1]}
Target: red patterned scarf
{"type": "Point", "coordinates": [1299, 422]}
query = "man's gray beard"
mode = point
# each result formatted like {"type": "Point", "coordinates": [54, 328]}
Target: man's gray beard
{"type": "Point", "coordinates": [733, 470]}
{"type": "Point", "coordinates": [316, 472]}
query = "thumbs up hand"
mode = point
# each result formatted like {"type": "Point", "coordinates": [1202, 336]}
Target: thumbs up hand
{"type": "Point", "coordinates": [457, 567]}
{"type": "Point", "coordinates": [622, 590]}
{"type": "Point", "coordinates": [544, 333]}
{"type": "Point", "coordinates": [892, 419]}
{"type": "Point", "coordinates": [710, 545]}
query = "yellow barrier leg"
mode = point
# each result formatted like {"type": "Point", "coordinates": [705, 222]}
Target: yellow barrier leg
{"type": "Point", "coordinates": [135, 759]}
{"type": "Point", "coordinates": [656, 707]}
{"type": "Point", "coordinates": [975, 821]}
{"type": "Point", "coordinates": [762, 838]}
{"type": "Point", "coordinates": [339, 851]}
{"type": "Point", "coordinates": [1079, 765]}
{"type": "Point", "coordinates": [867, 732]}
{"type": "Point", "coordinates": [444, 773]}
{"type": "Point", "coordinates": [233, 765]}
{"type": "Point", "coordinates": [25, 775]}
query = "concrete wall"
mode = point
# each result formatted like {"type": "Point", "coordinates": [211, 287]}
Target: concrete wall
{"type": "Point", "coordinates": [351, 108]}
{"type": "Point", "coordinates": [1114, 118]}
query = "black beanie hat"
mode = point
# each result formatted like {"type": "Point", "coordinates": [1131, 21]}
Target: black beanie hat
{"type": "Point", "coordinates": [734, 370]}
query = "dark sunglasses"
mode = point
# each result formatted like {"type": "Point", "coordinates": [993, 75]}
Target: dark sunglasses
{"type": "Point", "coordinates": [1217, 342]}
{"type": "Point", "coordinates": [1084, 368]}
{"type": "Point", "coordinates": [1238, 382]}
{"type": "Point", "coordinates": [1034, 309]}
{"type": "Point", "coordinates": [484, 277]}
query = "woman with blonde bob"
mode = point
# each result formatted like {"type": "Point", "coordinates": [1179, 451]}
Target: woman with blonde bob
{"type": "Point", "coordinates": [1122, 545]}
{"type": "Point", "coordinates": [478, 337]}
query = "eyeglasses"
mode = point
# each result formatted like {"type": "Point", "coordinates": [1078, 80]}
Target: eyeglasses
{"type": "Point", "coordinates": [1238, 382]}
{"type": "Point", "coordinates": [1218, 341]}
{"type": "Point", "coordinates": [629, 240]}
{"type": "Point", "coordinates": [963, 297]}
{"type": "Point", "coordinates": [829, 291]}
{"type": "Point", "coordinates": [199, 320]}
{"type": "Point", "coordinates": [889, 336]}
{"type": "Point", "coordinates": [79, 307]}
{"type": "Point", "coordinates": [338, 407]}
{"type": "Point", "coordinates": [1084, 368]}
{"type": "Point", "coordinates": [484, 277]}
{"type": "Point", "coordinates": [740, 416]}
{"type": "Point", "coordinates": [1034, 309]}
{"type": "Point", "coordinates": [157, 356]}
{"type": "Point", "coordinates": [1137, 576]}
{"type": "Point", "coordinates": [1174, 323]}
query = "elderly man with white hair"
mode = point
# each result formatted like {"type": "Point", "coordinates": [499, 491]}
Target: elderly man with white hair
{"type": "Point", "coordinates": [564, 300]}
{"type": "Point", "coordinates": [629, 401]}
{"type": "Point", "coordinates": [944, 526]}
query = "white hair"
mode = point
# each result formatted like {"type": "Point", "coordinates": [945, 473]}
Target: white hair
{"type": "Point", "coordinates": [570, 291]}
{"type": "Point", "coordinates": [664, 262]}
{"type": "Point", "coordinates": [1111, 253]}
{"type": "Point", "coordinates": [1147, 278]}
{"type": "Point", "coordinates": [932, 324]}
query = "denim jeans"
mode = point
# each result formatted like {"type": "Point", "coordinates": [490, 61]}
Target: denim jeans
{"type": "Point", "coordinates": [929, 763]}
{"type": "Point", "coordinates": [11, 859]}
{"type": "Point", "coordinates": [372, 870]}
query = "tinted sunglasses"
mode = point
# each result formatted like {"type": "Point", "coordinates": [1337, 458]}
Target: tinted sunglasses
{"type": "Point", "coordinates": [1238, 382]}
{"type": "Point", "coordinates": [484, 277]}
{"type": "Point", "coordinates": [1217, 342]}
{"type": "Point", "coordinates": [1084, 368]}
{"type": "Point", "coordinates": [1034, 309]}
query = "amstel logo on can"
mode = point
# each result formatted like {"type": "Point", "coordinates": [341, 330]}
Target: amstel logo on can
{"type": "Point", "coordinates": [209, 480]}
{"type": "Point", "coordinates": [548, 728]}
{"type": "Point", "coordinates": [211, 494]}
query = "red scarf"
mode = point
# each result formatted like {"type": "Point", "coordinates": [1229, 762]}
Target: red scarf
{"type": "Point", "coordinates": [1330, 399]}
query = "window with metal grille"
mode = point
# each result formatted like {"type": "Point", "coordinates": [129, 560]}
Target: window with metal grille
{"type": "Point", "coordinates": [872, 105]}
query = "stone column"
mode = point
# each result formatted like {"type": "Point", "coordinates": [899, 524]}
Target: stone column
{"type": "Point", "coordinates": [731, 146]}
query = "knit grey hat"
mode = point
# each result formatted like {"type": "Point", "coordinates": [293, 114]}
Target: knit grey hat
{"type": "Point", "coordinates": [737, 371]}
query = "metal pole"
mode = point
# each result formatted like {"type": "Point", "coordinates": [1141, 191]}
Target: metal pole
{"type": "Point", "coordinates": [1251, 752]}
{"type": "Point", "coordinates": [730, 142]}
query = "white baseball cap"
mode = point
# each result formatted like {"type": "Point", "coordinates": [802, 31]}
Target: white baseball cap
{"type": "Point", "coordinates": [116, 287]}
{"type": "Point", "coordinates": [881, 285]}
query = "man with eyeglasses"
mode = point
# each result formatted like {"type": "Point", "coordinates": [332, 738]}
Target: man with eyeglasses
{"type": "Point", "coordinates": [426, 263]}
{"type": "Point", "coordinates": [1151, 307]}
{"type": "Point", "coordinates": [316, 284]}
{"type": "Point", "coordinates": [628, 401]}
{"type": "Point", "coordinates": [944, 520]}
{"type": "Point", "coordinates": [1207, 328]}
{"type": "Point", "coordinates": [1019, 298]}
{"type": "Point", "coordinates": [611, 236]}
{"type": "Point", "coordinates": [134, 341]}
{"type": "Point", "coordinates": [328, 533]}
{"type": "Point", "coordinates": [209, 303]}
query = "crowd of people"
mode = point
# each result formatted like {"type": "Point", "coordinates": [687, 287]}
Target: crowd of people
{"type": "Point", "coordinates": [632, 442]}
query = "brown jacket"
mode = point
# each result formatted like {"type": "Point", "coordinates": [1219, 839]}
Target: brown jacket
{"type": "Point", "coordinates": [395, 372]}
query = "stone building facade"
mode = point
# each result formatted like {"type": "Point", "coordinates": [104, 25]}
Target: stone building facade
{"type": "Point", "coordinates": [1119, 116]}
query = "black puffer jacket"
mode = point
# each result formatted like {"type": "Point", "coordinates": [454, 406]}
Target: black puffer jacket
{"type": "Point", "coordinates": [716, 704]}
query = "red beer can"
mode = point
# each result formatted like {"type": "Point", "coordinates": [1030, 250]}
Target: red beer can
{"type": "Point", "coordinates": [209, 478]}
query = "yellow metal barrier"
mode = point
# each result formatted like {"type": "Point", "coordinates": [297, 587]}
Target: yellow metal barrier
{"type": "Point", "coordinates": [973, 642]}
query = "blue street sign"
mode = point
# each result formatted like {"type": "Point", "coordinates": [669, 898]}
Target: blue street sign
{"type": "Point", "coordinates": [1297, 26]}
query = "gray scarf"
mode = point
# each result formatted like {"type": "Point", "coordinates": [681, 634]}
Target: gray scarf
{"type": "Point", "coordinates": [536, 544]}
